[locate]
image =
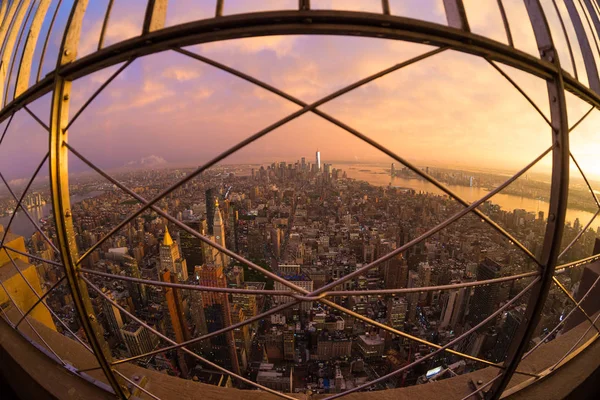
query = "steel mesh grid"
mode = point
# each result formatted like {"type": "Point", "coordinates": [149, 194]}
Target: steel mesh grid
{"type": "Point", "coordinates": [457, 19]}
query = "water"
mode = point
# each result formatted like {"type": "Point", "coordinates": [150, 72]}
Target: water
{"type": "Point", "coordinates": [21, 225]}
{"type": "Point", "coordinates": [378, 175]}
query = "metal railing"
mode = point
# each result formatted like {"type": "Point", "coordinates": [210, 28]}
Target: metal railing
{"type": "Point", "coordinates": [18, 16]}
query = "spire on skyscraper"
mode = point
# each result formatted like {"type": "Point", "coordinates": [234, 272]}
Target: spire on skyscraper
{"type": "Point", "coordinates": [167, 240]}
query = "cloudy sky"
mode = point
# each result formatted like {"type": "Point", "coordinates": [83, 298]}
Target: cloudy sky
{"type": "Point", "coordinates": [451, 109]}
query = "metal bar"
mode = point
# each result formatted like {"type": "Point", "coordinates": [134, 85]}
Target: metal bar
{"type": "Point", "coordinates": [385, 5]}
{"type": "Point", "coordinates": [565, 291]}
{"type": "Point", "coordinates": [219, 8]}
{"type": "Point", "coordinates": [29, 323]}
{"type": "Point", "coordinates": [304, 5]}
{"type": "Point", "coordinates": [59, 184]}
{"type": "Point", "coordinates": [35, 224]}
{"type": "Point", "coordinates": [516, 86]}
{"type": "Point", "coordinates": [572, 128]}
{"type": "Point", "coordinates": [136, 385]}
{"type": "Point", "coordinates": [46, 305]}
{"type": "Point", "coordinates": [581, 232]}
{"type": "Point", "coordinates": [253, 138]}
{"type": "Point", "coordinates": [6, 128]}
{"type": "Point", "coordinates": [9, 42]}
{"type": "Point", "coordinates": [165, 338]}
{"type": "Point", "coordinates": [32, 256]}
{"type": "Point", "coordinates": [39, 121]}
{"type": "Point", "coordinates": [368, 140]}
{"type": "Point", "coordinates": [105, 24]}
{"type": "Point", "coordinates": [576, 343]}
{"type": "Point", "coordinates": [14, 57]}
{"type": "Point", "coordinates": [506, 24]}
{"type": "Point", "coordinates": [577, 263]}
{"type": "Point", "coordinates": [276, 277]}
{"type": "Point", "coordinates": [558, 197]}
{"type": "Point", "coordinates": [586, 180]}
{"type": "Point", "coordinates": [589, 23]}
{"type": "Point", "coordinates": [456, 14]}
{"type": "Point", "coordinates": [3, 6]}
{"type": "Point", "coordinates": [40, 299]}
{"type": "Point", "coordinates": [20, 201]}
{"type": "Point", "coordinates": [324, 294]}
{"type": "Point", "coordinates": [6, 23]}
{"type": "Point", "coordinates": [439, 350]}
{"type": "Point", "coordinates": [594, 16]}
{"type": "Point", "coordinates": [564, 29]}
{"type": "Point", "coordinates": [156, 14]}
{"type": "Point", "coordinates": [560, 323]}
{"type": "Point", "coordinates": [41, 64]}
{"type": "Point", "coordinates": [97, 92]}
{"type": "Point", "coordinates": [27, 57]}
{"type": "Point", "coordinates": [584, 46]}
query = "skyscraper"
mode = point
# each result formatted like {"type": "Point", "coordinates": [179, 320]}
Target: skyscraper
{"type": "Point", "coordinates": [485, 297]}
{"type": "Point", "coordinates": [318, 161]}
{"type": "Point", "coordinates": [219, 232]}
{"type": "Point", "coordinates": [175, 306]}
{"type": "Point", "coordinates": [210, 208]}
{"type": "Point", "coordinates": [218, 316]}
{"type": "Point", "coordinates": [170, 259]}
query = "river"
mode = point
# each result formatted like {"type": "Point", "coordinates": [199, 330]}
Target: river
{"type": "Point", "coordinates": [21, 225]}
{"type": "Point", "coordinates": [379, 175]}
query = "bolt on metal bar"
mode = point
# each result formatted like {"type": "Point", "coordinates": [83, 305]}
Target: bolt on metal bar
{"type": "Point", "coordinates": [14, 57]}
{"type": "Point", "coordinates": [368, 140]}
{"type": "Point", "coordinates": [441, 348]}
{"type": "Point", "coordinates": [97, 92]}
{"type": "Point", "coordinates": [580, 120]}
{"type": "Point", "coordinates": [136, 385]}
{"type": "Point", "coordinates": [33, 256]}
{"type": "Point", "coordinates": [552, 368]}
{"type": "Point", "coordinates": [39, 121]}
{"type": "Point", "coordinates": [276, 277]}
{"type": "Point", "coordinates": [46, 305]}
{"type": "Point", "coordinates": [324, 294]}
{"type": "Point", "coordinates": [20, 200]}
{"type": "Point", "coordinates": [29, 323]}
{"type": "Point", "coordinates": [587, 182]}
{"type": "Point", "coordinates": [559, 191]}
{"type": "Point", "coordinates": [479, 389]}
{"type": "Point", "coordinates": [506, 24]}
{"type": "Point", "coordinates": [33, 222]}
{"type": "Point", "coordinates": [42, 56]}
{"type": "Point", "coordinates": [572, 299]}
{"type": "Point", "coordinates": [251, 139]}
{"type": "Point", "coordinates": [564, 29]}
{"type": "Point", "coordinates": [105, 24]}
{"type": "Point", "coordinates": [562, 322]}
{"type": "Point", "coordinates": [519, 89]}
{"type": "Point", "coordinates": [581, 232]}
{"type": "Point", "coordinates": [167, 339]}
{"type": "Point", "coordinates": [40, 299]}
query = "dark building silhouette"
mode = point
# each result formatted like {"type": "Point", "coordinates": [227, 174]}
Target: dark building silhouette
{"type": "Point", "coordinates": [210, 209]}
{"type": "Point", "coordinates": [485, 297]}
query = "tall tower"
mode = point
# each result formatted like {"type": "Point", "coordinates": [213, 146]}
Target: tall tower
{"type": "Point", "coordinates": [170, 259]}
{"type": "Point", "coordinates": [219, 231]}
{"type": "Point", "coordinates": [485, 297]}
{"type": "Point", "coordinates": [218, 315]}
{"type": "Point", "coordinates": [210, 209]}
{"type": "Point", "coordinates": [318, 161]}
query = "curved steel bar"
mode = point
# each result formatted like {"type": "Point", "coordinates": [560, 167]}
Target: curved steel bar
{"type": "Point", "coordinates": [440, 349]}
{"type": "Point", "coordinates": [376, 145]}
{"type": "Point", "coordinates": [572, 299]}
{"type": "Point", "coordinates": [167, 339]}
{"type": "Point", "coordinates": [321, 295]}
{"type": "Point", "coordinates": [135, 384]}
{"type": "Point", "coordinates": [34, 257]}
{"type": "Point", "coordinates": [39, 300]}
{"type": "Point", "coordinates": [564, 29]}
{"type": "Point", "coordinates": [6, 128]}
{"type": "Point", "coordinates": [43, 54]}
{"type": "Point", "coordinates": [559, 191]}
{"type": "Point", "coordinates": [105, 24]}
